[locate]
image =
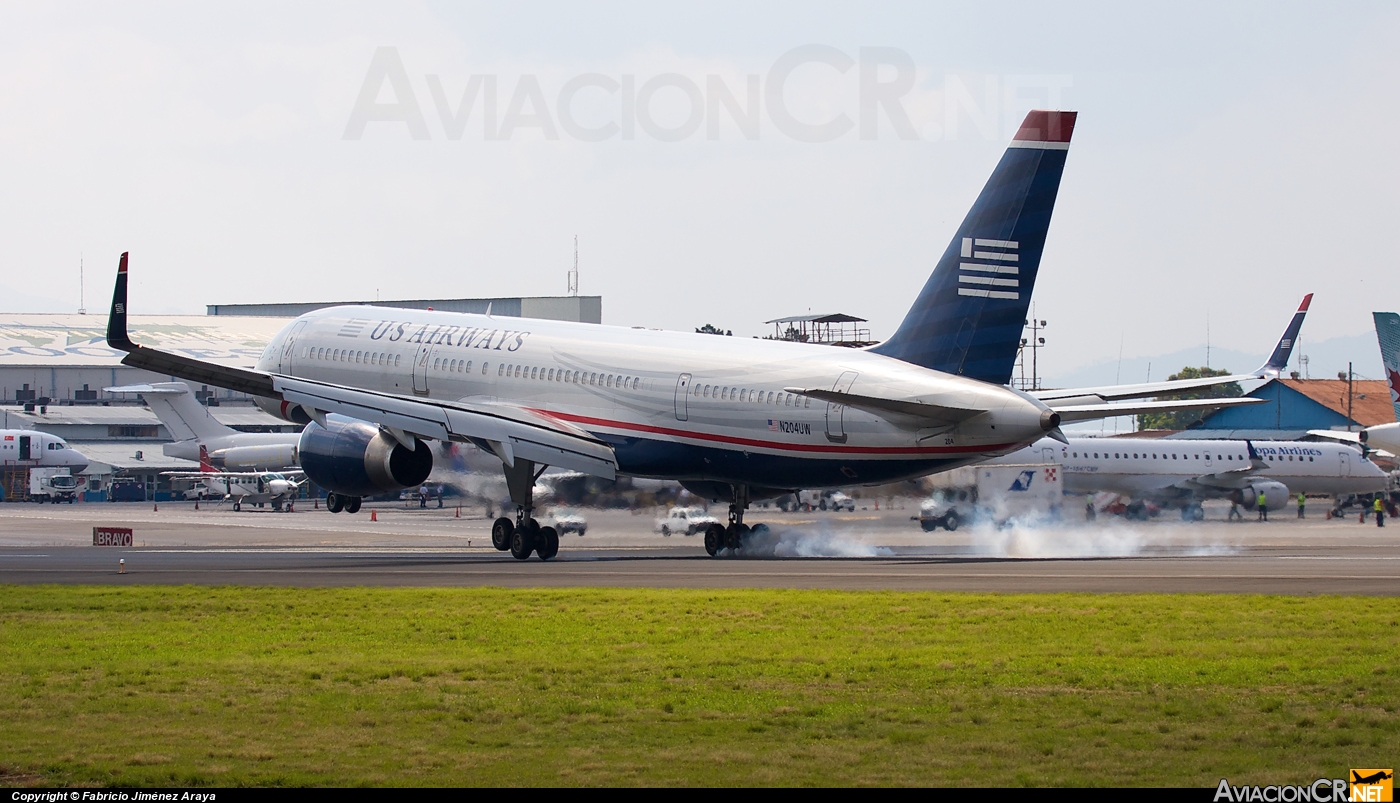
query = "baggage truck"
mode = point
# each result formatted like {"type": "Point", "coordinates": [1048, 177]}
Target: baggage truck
{"type": "Point", "coordinates": [991, 493]}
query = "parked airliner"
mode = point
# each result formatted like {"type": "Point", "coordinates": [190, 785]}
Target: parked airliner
{"type": "Point", "coordinates": [1182, 473]}
{"type": "Point", "coordinates": [730, 418]}
{"type": "Point", "coordinates": [27, 447]}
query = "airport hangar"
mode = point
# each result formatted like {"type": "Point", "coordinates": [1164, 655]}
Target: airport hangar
{"type": "Point", "coordinates": [53, 368]}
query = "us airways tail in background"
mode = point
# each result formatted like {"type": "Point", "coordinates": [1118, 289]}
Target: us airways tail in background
{"type": "Point", "coordinates": [730, 418]}
{"type": "Point", "coordinates": [197, 434]}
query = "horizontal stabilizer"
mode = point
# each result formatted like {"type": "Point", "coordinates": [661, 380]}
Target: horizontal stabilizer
{"type": "Point", "coordinates": [934, 413]}
{"type": "Point", "coordinates": [1090, 412]}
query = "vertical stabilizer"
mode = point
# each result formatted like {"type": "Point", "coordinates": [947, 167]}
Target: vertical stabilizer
{"type": "Point", "coordinates": [177, 408]}
{"type": "Point", "coordinates": [1278, 361]}
{"type": "Point", "coordinates": [968, 318]}
{"type": "Point", "coordinates": [205, 466]}
{"type": "Point", "coordinates": [1388, 333]}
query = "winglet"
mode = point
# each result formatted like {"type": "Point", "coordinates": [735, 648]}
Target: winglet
{"type": "Point", "coordinates": [117, 337]}
{"type": "Point", "coordinates": [1278, 361]}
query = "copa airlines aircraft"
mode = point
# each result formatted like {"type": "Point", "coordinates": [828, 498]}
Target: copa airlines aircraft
{"type": "Point", "coordinates": [27, 447]}
{"type": "Point", "coordinates": [1181, 473]}
{"type": "Point", "coordinates": [730, 418]}
{"type": "Point", "coordinates": [198, 435]}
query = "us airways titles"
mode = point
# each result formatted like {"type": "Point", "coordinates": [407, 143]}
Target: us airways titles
{"type": "Point", "coordinates": [470, 337]}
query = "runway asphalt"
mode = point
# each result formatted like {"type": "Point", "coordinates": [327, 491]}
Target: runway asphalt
{"type": "Point", "coordinates": [866, 549]}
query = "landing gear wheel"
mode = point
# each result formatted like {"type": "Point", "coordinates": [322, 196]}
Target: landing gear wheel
{"type": "Point", "coordinates": [334, 502]}
{"type": "Point", "coordinates": [548, 543]}
{"type": "Point", "coordinates": [951, 521]}
{"type": "Point", "coordinates": [735, 535]}
{"type": "Point", "coordinates": [714, 539]}
{"type": "Point", "coordinates": [758, 531]}
{"type": "Point", "coordinates": [501, 531]}
{"type": "Point", "coordinates": [237, 506]}
{"type": "Point", "coordinates": [352, 505]}
{"type": "Point", "coordinates": [522, 543]}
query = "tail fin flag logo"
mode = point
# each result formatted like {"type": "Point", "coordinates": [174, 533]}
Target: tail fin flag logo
{"type": "Point", "coordinates": [988, 277]}
{"type": "Point", "coordinates": [204, 464]}
{"type": "Point", "coordinates": [1372, 786]}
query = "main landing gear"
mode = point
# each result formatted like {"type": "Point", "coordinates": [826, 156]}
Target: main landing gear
{"type": "Point", "coordinates": [738, 534]}
{"type": "Point", "coordinates": [524, 535]}
{"type": "Point", "coordinates": [337, 502]}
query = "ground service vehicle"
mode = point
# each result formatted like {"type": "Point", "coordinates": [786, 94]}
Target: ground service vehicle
{"type": "Point", "coordinates": [52, 485]}
{"type": "Point", "coordinates": [685, 520]}
{"type": "Point", "coordinates": [995, 493]}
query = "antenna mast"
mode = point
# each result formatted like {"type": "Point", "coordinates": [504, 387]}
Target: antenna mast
{"type": "Point", "coordinates": [573, 274]}
{"type": "Point", "coordinates": [82, 305]}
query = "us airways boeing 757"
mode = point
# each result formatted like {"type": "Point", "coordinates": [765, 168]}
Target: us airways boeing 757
{"type": "Point", "coordinates": [730, 418]}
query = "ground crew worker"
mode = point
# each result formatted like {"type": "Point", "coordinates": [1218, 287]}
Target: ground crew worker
{"type": "Point", "coordinates": [1234, 510]}
{"type": "Point", "coordinates": [1263, 503]}
{"type": "Point", "coordinates": [1089, 513]}
{"type": "Point", "coordinates": [1302, 500]}
{"type": "Point", "coordinates": [1380, 512]}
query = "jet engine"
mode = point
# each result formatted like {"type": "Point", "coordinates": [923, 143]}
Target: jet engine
{"type": "Point", "coordinates": [1275, 494]}
{"type": "Point", "coordinates": [354, 458]}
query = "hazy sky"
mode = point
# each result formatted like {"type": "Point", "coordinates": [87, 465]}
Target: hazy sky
{"type": "Point", "coordinates": [1228, 158]}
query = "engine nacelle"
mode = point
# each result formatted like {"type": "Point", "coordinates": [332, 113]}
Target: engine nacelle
{"type": "Point", "coordinates": [256, 458]}
{"type": "Point", "coordinates": [355, 458]}
{"type": "Point", "coordinates": [282, 409]}
{"type": "Point", "coordinates": [1275, 495]}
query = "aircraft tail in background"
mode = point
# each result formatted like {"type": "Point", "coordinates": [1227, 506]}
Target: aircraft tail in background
{"type": "Point", "coordinates": [968, 318]}
{"type": "Point", "coordinates": [1278, 361]}
{"type": "Point", "coordinates": [1388, 333]}
{"type": "Point", "coordinates": [177, 408]}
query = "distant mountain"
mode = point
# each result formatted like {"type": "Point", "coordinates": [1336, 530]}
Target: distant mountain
{"type": "Point", "coordinates": [11, 300]}
{"type": "Point", "coordinates": [1325, 359]}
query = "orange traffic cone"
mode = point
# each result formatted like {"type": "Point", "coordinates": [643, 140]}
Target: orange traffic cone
{"type": "Point", "coordinates": [459, 512]}
{"type": "Point", "coordinates": [196, 504]}
{"type": "Point", "coordinates": [155, 506]}
{"type": "Point", "coordinates": [374, 515]}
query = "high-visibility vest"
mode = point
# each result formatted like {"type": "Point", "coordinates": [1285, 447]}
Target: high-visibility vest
{"type": "Point", "coordinates": [1301, 500]}
{"type": "Point", "coordinates": [1263, 500]}
{"type": "Point", "coordinates": [1378, 506]}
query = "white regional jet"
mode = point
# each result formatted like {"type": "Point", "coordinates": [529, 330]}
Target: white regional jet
{"type": "Point", "coordinates": [1181, 473]}
{"type": "Point", "coordinates": [730, 418]}
{"type": "Point", "coordinates": [195, 429]}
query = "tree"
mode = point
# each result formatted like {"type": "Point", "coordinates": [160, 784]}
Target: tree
{"type": "Point", "coordinates": [711, 329]}
{"type": "Point", "coordinates": [1181, 419]}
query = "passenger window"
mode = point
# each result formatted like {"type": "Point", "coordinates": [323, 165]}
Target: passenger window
{"type": "Point", "coordinates": [1096, 455]}
{"type": "Point", "coordinates": [396, 360]}
{"type": "Point", "coordinates": [806, 401]}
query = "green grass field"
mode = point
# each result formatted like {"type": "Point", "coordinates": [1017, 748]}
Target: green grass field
{"type": "Point", "coordinates": [226, 686]}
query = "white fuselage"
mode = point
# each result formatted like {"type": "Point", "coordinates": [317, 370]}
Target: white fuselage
{"type": "Point", "coordinates": [1161, 468]}
{"type": "Point", "coordinates": [674, 405]}
{"type": "Point", "coordinates": [27, 447]}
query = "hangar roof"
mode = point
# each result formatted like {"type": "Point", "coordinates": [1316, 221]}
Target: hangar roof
{"type": "Point", "coordinates": [81, 340]}
{"type": "Point", "coordinates": [1370, 403]}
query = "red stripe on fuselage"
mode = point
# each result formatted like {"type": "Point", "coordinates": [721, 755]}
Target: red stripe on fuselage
{"type": "Point", "coordinates": [833, 448]}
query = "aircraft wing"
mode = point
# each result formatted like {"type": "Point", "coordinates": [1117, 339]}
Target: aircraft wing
{"type": "Point", "coordinates": [1088, 412]}
{"type": "Point", "coordinates": [1336, 435]}
{"type": "Point", "coordinates": [509, 431]}
{"type": "Point", "coordinates": [1272, 368]}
